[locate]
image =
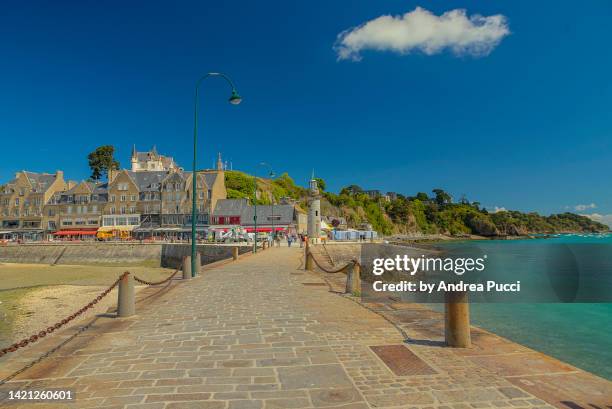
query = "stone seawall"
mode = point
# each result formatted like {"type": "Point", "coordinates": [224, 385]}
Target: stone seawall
{"type": "Point", "coordinates": [85, 253]}
{"type": "Point", "coordinates": [172, 254]}
{"type": "Point", "coordinates": [149, 254]}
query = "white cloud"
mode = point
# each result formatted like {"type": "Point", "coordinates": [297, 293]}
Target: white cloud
{"type": "Point", "coordinates": [497, 209]}
{"type": "Point", "coordinates": [422, 30]}
{"type": "Point", "coordinates": [601, 218]}
{"type": "Point", "coordinates": [583, 207]}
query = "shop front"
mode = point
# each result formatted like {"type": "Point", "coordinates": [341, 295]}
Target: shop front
{"type": "Point", "coordinates": [75, 234]}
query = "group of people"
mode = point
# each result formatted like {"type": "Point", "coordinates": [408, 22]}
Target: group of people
{"type": "Point", "coordinates": [291, 238]}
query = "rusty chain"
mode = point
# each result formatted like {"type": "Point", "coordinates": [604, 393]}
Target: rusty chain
{"type": "Point", "coordinates": [41, 334]}
{"type": "Point", "coordinates": [353, 262]}
{"type": "Point", "coordinates": [141, 281]}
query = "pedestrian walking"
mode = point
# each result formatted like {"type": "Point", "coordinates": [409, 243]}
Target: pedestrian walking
{"type": "Point", "coordinates": [289, 240]}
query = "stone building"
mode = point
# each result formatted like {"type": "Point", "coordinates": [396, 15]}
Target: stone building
{"type": "Point", "coordinates": [239, 212]}
{"type": "Point", "coordinates": [76, 212]}
{"type": "Point", "coordinates": [152, 199]}
{"type": "Point", "coordinates": [22, 201]}
{"type": "Point", "coordinates": [152, 161]}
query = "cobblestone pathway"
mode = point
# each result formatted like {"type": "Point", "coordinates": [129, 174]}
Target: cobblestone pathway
{"type": "Point", "coordinates": [261, 333]}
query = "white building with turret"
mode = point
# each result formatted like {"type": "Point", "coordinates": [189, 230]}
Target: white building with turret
{"type": "Point", "coordinates": [152, 161]}
{"type": "Point", "coordinates": [314, 212]}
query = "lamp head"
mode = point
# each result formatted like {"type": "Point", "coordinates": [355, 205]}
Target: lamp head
{"type": "Point", "coordinates": [235, 99]}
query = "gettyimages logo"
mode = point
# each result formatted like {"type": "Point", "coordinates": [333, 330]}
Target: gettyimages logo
{"type": "Point", "coordinates": [522, 271]}
{"type": "Point", "coordinates": [412, 265]}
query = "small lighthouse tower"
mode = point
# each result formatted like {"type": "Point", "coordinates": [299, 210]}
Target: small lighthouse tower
{"type": "Point", "coordinates": [314, 212]}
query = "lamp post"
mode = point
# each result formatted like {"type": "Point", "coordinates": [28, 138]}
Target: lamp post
{"type": "Point", "coordinates": [272, 175]}
{"type": "Point", "coordinates": [255, 214]}
{"type": "Point", "coordinates": [234, 99]}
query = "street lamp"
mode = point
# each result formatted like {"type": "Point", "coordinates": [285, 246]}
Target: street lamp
{"type": "Point", "coordinates": [271, 175]}
{"type": "Point", "coordinates": [234, 99]}
{"type": "Point", "coordinates": [255, 205]}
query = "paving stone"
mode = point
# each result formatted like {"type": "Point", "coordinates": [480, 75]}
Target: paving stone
{"type": "Point", "coordinates": [249, 335]}
{"type": "Point", "coordinates": [316, 376]}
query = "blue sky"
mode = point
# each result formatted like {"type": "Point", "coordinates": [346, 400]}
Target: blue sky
{"type": "Point", "coordinates": [524, 124]}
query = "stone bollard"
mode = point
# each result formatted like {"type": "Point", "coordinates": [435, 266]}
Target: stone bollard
{"type": "Point", "coordinates": [186, 267]}
{"type": "Point", "coordinates": [309, 262]}
{"type": "Point", "coordinates": [126, 304]}
{"type": "Point", "coordinates": [457, 319]}
{"type": "Point", "coordinates": [353, 279]}
{"type": "Point", "coordinates": [235, 253]}
{"type": "Point", "coordinates": [198, 264]}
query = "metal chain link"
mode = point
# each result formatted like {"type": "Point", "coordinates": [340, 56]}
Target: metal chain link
{"type": "Point", "coordinates": [41, 334]}
{"type": "Point", "coordinates": [353, 262]}
{"type": "Point", "coordinates": [141, 281]}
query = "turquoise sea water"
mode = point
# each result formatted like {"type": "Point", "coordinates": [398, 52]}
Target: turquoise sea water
{"type": "Point", "coordinates": [577, 333]}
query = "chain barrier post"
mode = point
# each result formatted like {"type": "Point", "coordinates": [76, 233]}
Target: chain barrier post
{"type": "Point", "coordinates": [198, 269]}
{"type": "Point", "coordinates": [307, 261]}
{"type": "Point", "coordinates": [186, 267]}
{"type": "Point", "coordinates": [126, 305]}
{"type": "Point", "coordinates": [235, 253]}
{"type": "Point", "coordinates": [353, 279]}
{"type": "Point", "coordinates": [457, 319]}
{"type": "Point", "coordinates": [350, 271]}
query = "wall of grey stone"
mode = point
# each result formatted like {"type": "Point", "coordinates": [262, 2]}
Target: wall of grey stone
{"type": "Point", "coordinates": [172, 254]}
{"type": "Point", "coordinates": [149, 254]}
{"type": "Point", "coordinates": [85, 253]}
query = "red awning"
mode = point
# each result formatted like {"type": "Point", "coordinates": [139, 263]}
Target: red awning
{"type": "Point", "coordinates": [264, 229]}
{"type": "Point", "coordinates": [75, 233]}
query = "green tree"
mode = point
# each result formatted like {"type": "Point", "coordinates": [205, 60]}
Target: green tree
{"type": "Point", "coordinates": [321, 183]}
{"type": "Point", "coordinates": [351, 190]}
{"type": "Point", "coordinates": [101, 161]}
{"type": "Point", "coordinates": [442, 197]}
{"type": "Point", "coordinates": [422, 197]}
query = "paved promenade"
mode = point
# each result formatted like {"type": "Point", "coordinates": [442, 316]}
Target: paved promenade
{"type": "Point", "coordinates": [262, 333]}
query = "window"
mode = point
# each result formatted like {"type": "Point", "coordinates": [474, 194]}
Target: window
{"type": "Point", "coordinates": [122, 186]}
{"type": "Point", "coordinates": [94, 209]}
{"type": "Point", "coordinates": [133, 198]}
{"type": "Point", "coordinates": [66, 222]}
{"type": "Point", "coordinates": [112, 198]}
{"type": "Point", "coordinates": [16, 202]}
{"type": "Point", "coordinates": [316, 213]}
{"type": "Point", "coordinates": [26, 211]}
{"type": "Point", "coordinates": [132, 209]}
{"type": "Point", "coordinates": [51, 212]}
{"type": "Point", "coordinates": [112, 210]}
{"type": "Point", "coordinates": [121, 221]}
{"type": "Point", "coordinates": [79, 222]}
{"type": "Point", "coordinates": [209, 194]}
{"type": "Point", "coordinates": [70, 199]}
{"type": "Point", "coordinates": [201, 195]}
{"type": "Point", "coordinates": [221, 220]}
{"type": "Point", "coordinates": [69, 209]}
{"type": "Point", "coordinates": [94, 198]}
{"type": "Point", "coordinates": [92, 221]}
{"type": "Point", "coordinates": [108, 221]}
{"type": "Point", "coordinates": [123, 198]}
{"type": "Point", "coordinates": [122, 210]}
{"type": "Point", "coordinates": [51, 225]}
{"type": "Point", "coordinates": [234, 219]}
{"type": "Point", "coordinates": [133, 220]}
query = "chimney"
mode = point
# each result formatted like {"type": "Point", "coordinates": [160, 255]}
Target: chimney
{"type": "Point", "coordinates": [59, 174]}
{"type": "Point", "coordinates": [112, 173]}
